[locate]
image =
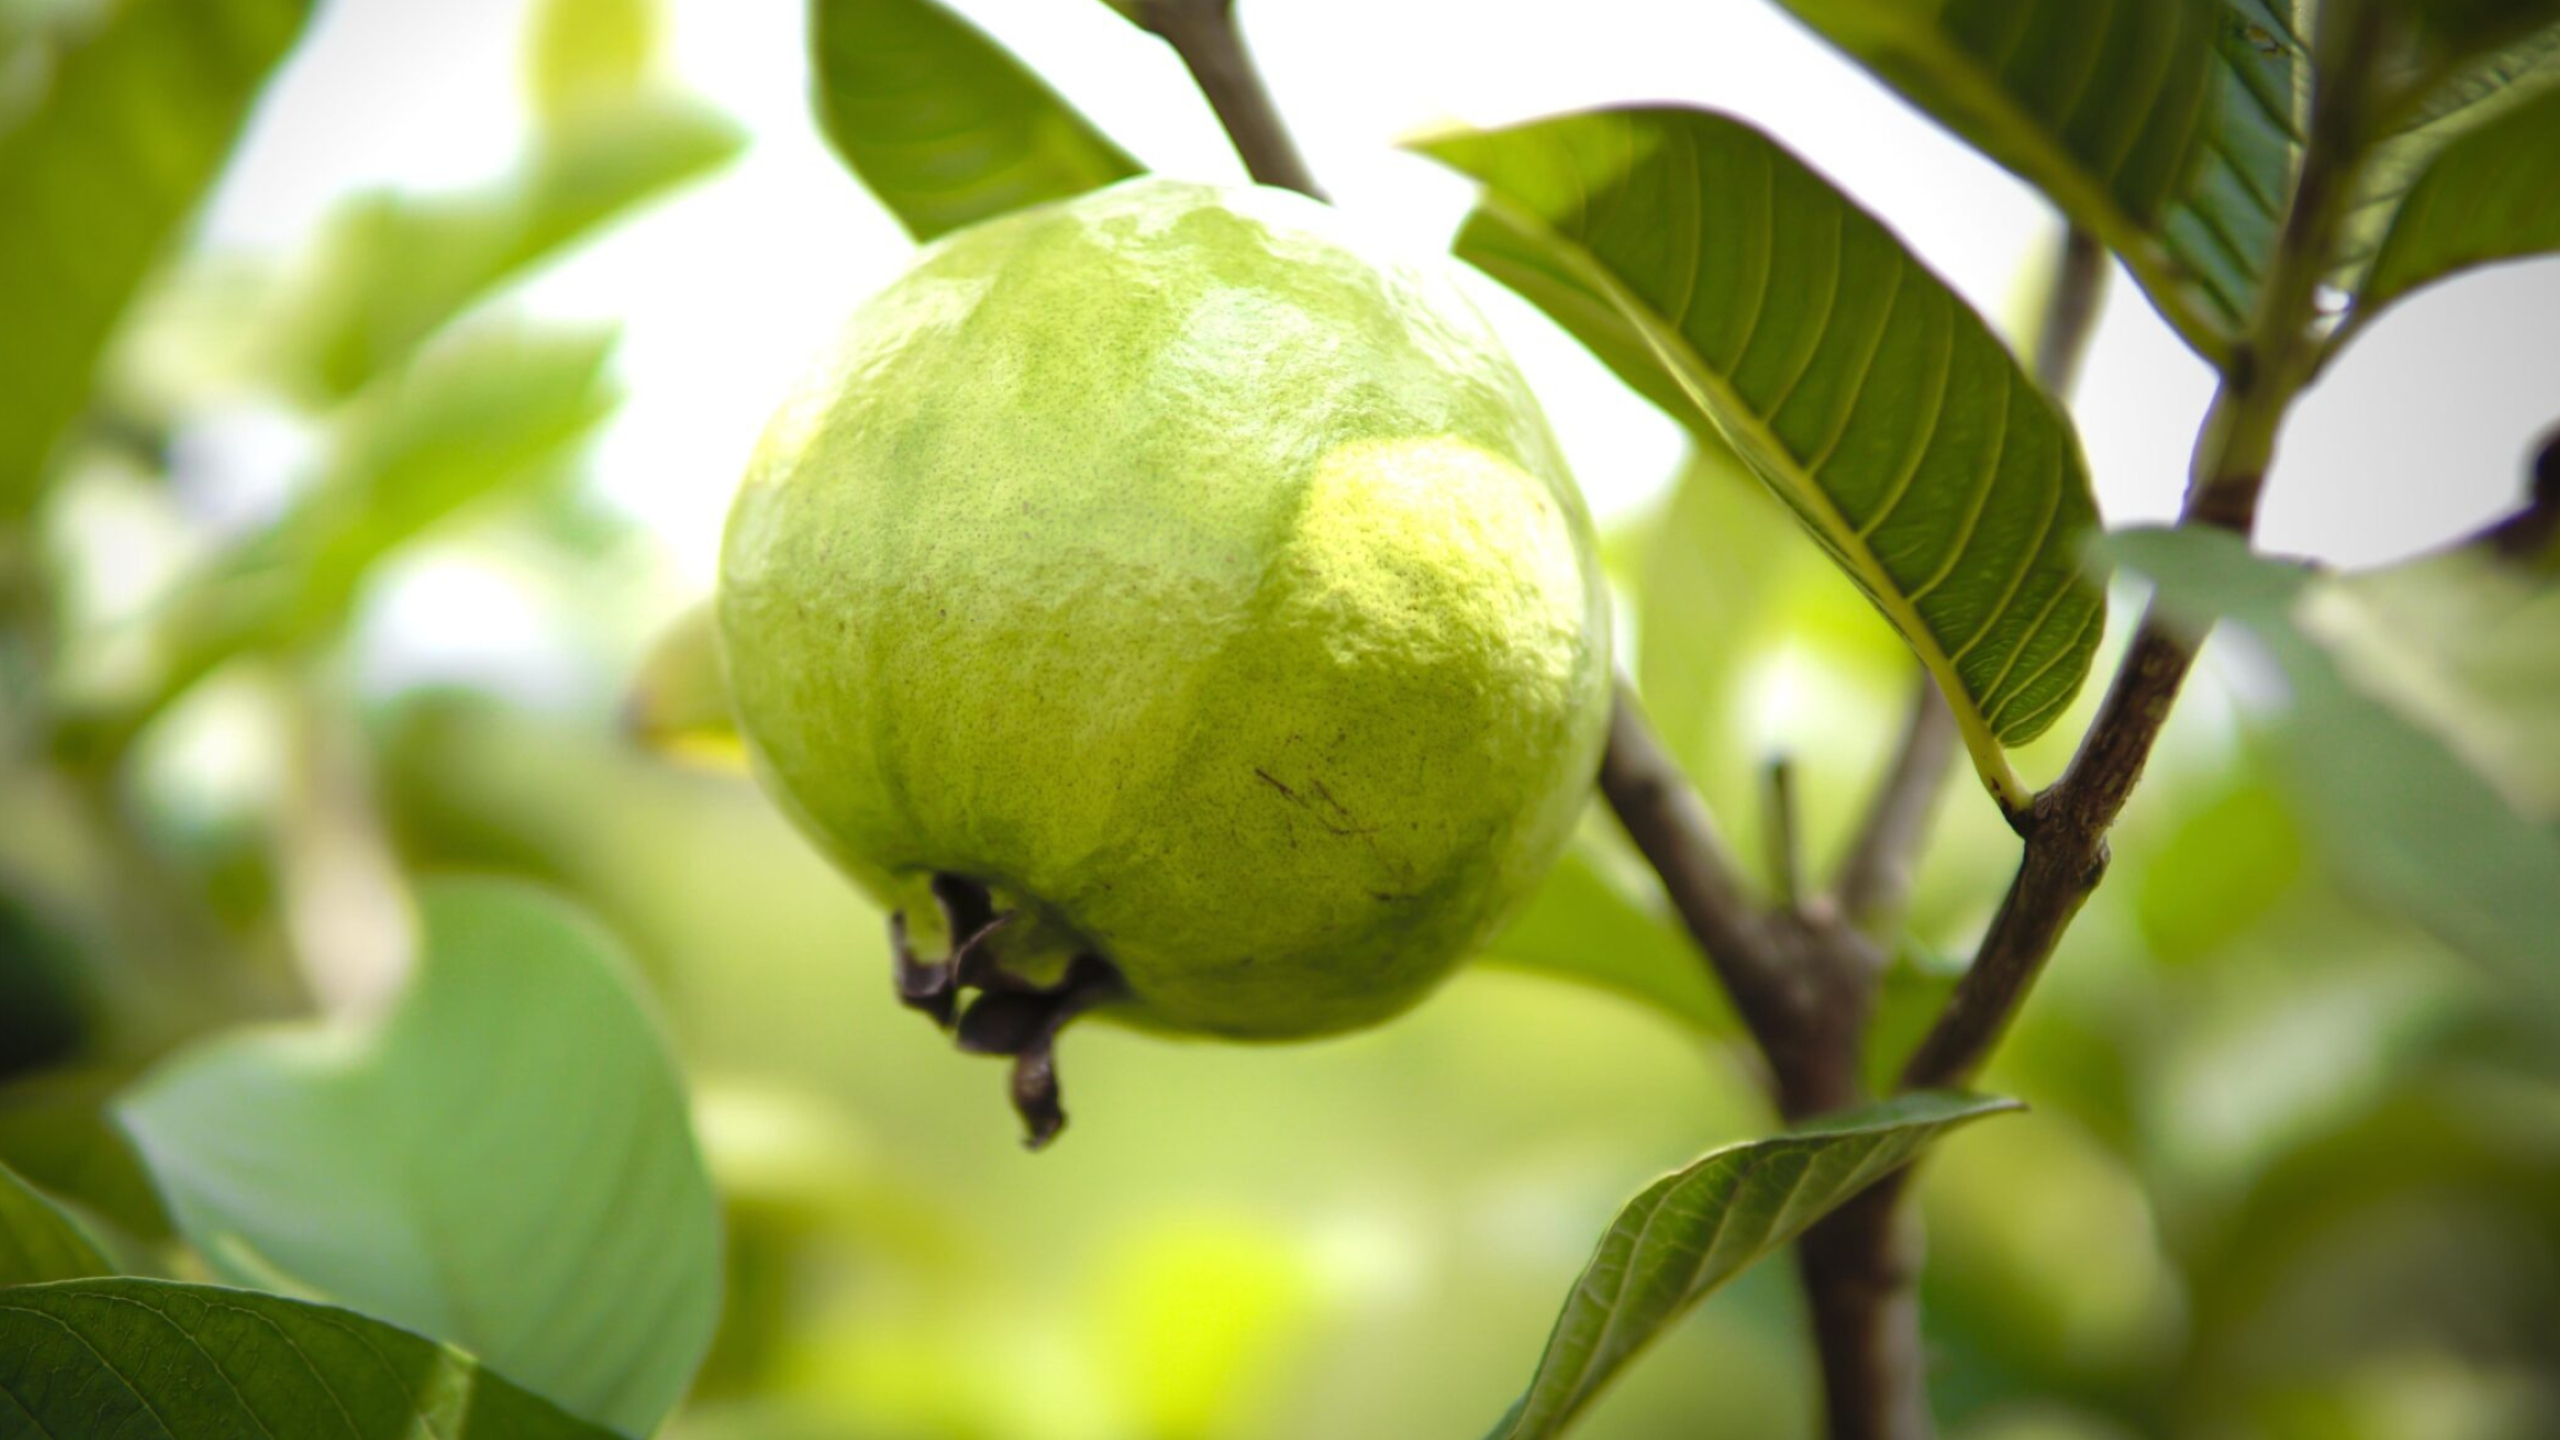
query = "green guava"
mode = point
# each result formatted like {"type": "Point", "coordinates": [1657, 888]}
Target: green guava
{"type": "Point", "coordinates": [1189, 602]}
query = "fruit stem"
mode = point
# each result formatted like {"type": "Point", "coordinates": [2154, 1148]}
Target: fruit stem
{"type": "Point", "coordinates": [1204, 34]}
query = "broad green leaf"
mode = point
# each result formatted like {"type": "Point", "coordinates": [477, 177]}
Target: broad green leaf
{"type": "Point", "coordinates": [484, 411]}
{"type": "Point", "coordinates": [56, 1130]}
{"type": "Point", "coordinates": [2167, 127]}
{"type": "Point", "coordinates": [1600, 918]}
{"type": "Point", "coordinates": [1696, 1228]}
{"type": "Point", "coordinates": [391, 270]}
{"type": "Point", "coordinates": [2403, 823]}
{"type": "Point", "coordinates": [99, 171]}
{"type": "Point", "coordinates": [940, 122]}
{"type": "Point", "coordinates": [151, 1358]}
{"type": "Point", "coordinates": [504, 1163]}
{"type": "Point", "coordinates": [1727, 281]}
{"type": "Point", "coordinates": [2492, 195]}
{"type": "Point", "coordinates": [37, 1241]}
{"type": "Point", "coordinates": [2469, 645]}
{"type": "Point", "coordinates": [2473, 95]}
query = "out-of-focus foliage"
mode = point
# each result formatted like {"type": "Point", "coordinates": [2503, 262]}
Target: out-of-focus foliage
{"type": "Point", "coordinates": [2399, 816]}
{"type": "Point", "coordinates": [37, 1241]}
{"type": "Point", "coordinates": [503, 1163]}
{"type": "Point", "coordinates": [2291, 1171]}
{"type": "Point", "coordinates": [114, 118]}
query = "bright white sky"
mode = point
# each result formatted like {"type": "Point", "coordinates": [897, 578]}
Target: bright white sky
{"type": "Point", "coordinates": [726, 291]}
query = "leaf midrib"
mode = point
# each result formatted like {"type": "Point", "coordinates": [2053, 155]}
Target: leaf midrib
{"type": "Point", "coordinates": [2066, 177]}
{"type": "Point", "coordinates": [1682, 360]}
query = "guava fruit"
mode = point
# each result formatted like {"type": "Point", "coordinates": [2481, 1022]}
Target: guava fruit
{"type": "Point", "coordinates": [1162, 601]}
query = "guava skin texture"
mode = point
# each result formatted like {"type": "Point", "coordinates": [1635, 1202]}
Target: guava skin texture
{"type": "Point", "coordinates": [1207, 593]}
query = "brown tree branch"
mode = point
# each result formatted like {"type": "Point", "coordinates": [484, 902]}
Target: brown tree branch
{"type": "Point", "coordinates": [1204, 34]}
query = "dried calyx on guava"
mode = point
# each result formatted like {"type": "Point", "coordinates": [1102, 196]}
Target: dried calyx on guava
{"type": "Point", "coordinates": [1163, 604]}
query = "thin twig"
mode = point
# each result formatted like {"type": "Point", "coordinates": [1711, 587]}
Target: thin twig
{"type": "Point", "coordinates": [1875, 880]}
{"type": "Point", "coordinates": [1670, 825]}
{"type": "Point", "coordinates": [1780, 831]}
{"type": "Point", "coordinates": [1204, 34]}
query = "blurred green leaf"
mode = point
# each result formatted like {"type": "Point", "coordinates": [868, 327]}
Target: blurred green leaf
{"type": "Point", "coordinates": [56, 1131]}
{"type": "Point", "coordinates": [1692, 253]}
{"type": "Point", "coordinates": [940, 122]}
{"type": "Point", "coordinates": [1599, 918]}
{"type": "Point", "coordinates": [1705, 606]}
{"type": "Point", "coordinates": [2461, 99]}
{"type": "Point", "coordinates": [2493, 194]}
{"type": "Point", "coordinates": [2163, 126]}
{"type": "Point", "coordinates": [391, 270]}
{"type": "Point", "coordinates": [37, 1241]}
{"type": "Point", "coordinates": [2231, 862]}
{"type": "Point", "coordinates": [679, 702]}
{"type": "Point", "coordinates": [2468, 643]}
{"type": "Point", "coordinates": [1694, 1229]}
{"type": "Point", "coordinates": [505, 1162]}
{"type": "Point", "coordinates": [98, 172]}
{"type": "Point", "coordinates": [146, 1357]}
{"type": "Point", "coordinates": [2405, 824]}
{"type": "Point", "coordinates": [488, 409]}
{"type": "Point", "coordinates": [584, 55]}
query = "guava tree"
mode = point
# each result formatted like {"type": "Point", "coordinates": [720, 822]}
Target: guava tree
{"type": "Point", "coordinates": [1172, 610]}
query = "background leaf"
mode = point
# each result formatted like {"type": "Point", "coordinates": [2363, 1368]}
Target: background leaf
{"type": "Point", "coordinates": [96, 178]}
{"type": "Point", "coordinates": [37, 1241]}
{"type": "Point", "coordinates": [1700, 259]}
{"type": "Point", "coordinates": [505, 1163]}
{"type": "Point", "coordinates": [2164, 126]}
{"type": "Point", "coordinates": [940, 122]}
{"type": "Point", "coordinates": [488, 409]}
{"type": "Point", "coordinates": [1696, 1228]}
{"type": "Point", "coordinates": [2474, 93]}
{"type": "Point", "coordinates": [2493, 194]}
{"type": "Point", "coordinates": [392, 270]}
{"type": "Point", "coordinates": [2406, 824]}
{"type": "Point", "coordinates": [145, 1357]}
{"type": "Point", "coordinates": [1600, 918]}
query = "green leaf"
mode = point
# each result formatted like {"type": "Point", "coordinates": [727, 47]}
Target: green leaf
{"type": "Point", "coordinates": [2166, 127]}
{"type": "Point", "coordinates": [2492, 195]}
{"type": "Point", "coordinates": [98, 173]}
{"type": "Point", "coordinates": [1600, 918]}
{"type": "Point", "coordinates": [940, 122]}
{"type": "Point", "coordinates": [37, 1241]}
{"type": "Point", "coordinates": [2467, 97]}
{"type": "Point", "coordinates": [151, 1358]}
{"type": "Point", "coordinates": [1694, 1229]}
{"type": "Point", "coordinates": [1727, 281]}
{"type": "Point", "coordinates": [483, 411]}
{"type": "Point", "coordinates": [504, 1163]}
{"type": "Point", "coordinates": [2402, 822]}
{"type": "Point", "coordinates": [392, 270]}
